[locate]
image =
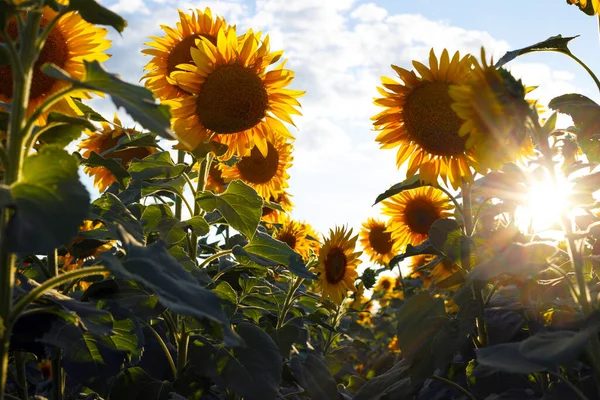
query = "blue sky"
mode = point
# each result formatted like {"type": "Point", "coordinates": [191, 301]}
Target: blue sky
{"type": "Point", "coordinates": [340, 48]}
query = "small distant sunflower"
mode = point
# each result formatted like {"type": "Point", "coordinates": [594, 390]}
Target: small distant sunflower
{"type": "Point", "coordinates": [393, 346]}
{"type": "Point", "coordinates": [420, 121]}
{"type": "Point", "coordinates": [298, 235]}
{"type": "Point", "coordinates": [174, 47]}
{"type": "Point", "coordinates": [376, 240]}
{"type": "Point", "coordinates": [272, 215]}
{"type": "Point", "coordinates": [412, 213]}
{"type": "Point", "coordinates": [215, 181]}
{"type": "Point", "coordinates": [71, 41]}
{"type": "Point", "coordinates": [495, 113]}
{"type": "Point", "coordinates": [266, 174]}
{"type": "Point", "coordinates": [101, 142]}
{"type": "Point", "coordinates": [235, 100]}
{"type": "Point", "coordinates": [385, 284]}
{"type": "Point", "coordinates": [337, 264]}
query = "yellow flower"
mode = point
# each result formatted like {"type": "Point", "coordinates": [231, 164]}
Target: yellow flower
{"type": "Point", "coordinates": [174, 47]}
{"type": "Point", "coordinates": [591, 8]}
{"type": "Point", "coordinates": [215, 180]}
{"type": "Point", "coordinates": [412, 213]}
{"type": "Point", "coordinates": [337, 264]}
{"type": "Point", "coordinates": [71, 42]}
{"type": "Point", "coordinates": [266, 174]}
{"type": "Point", "coordinates": [393, 346]}
{"type": "Point", "coordinates": [272, 215]}
{"type": "Point", "coordinates": [376, 240]}
{"type": "Point", "coordinates": [101, 142]}
{"type": "Point", "coordinates": [74, 259]}
{"type": "Point", "coordinates": [235, 100]}
{"type": "Point", "coordinates": [385, 284]}
{"type": "Point", "coordinates": [419, 120]}
{"type": "Point", "coordinates": [493, 106]}
{"type": "Point", "coordinates": [298, 235]}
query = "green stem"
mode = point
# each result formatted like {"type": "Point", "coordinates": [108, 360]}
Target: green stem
{"type": "Point", "coordinates": [203, 171]}
{"type": "Point", "coordinates": [57, 375]}
{"type": "Point", "coordinates": [294, 285]}
{"type": "Point", "coordinates": [172, 327]}
{"type": "Point", "coordinates": [165, 349]}
{"type": "Point", "coordinates": [570, 384]}
{"type": "Point", "coordinates": [330, 336]}
{"type": "Point", "coordinates": [182, 348]}
{"type": "Point", "coordinates": [190, 184]}
{"type": "Point", "coordinates": [21, 375]}
{"type": "Point", "coordinates": [402, 281]}
{"type": "Point", "coordinates": [208, 260]}
{"type": "Point", "coordinates": [49, 284]}
{"type": "Point", "coordinates": [178, 199]}
{"type": "Point", "coordinates": [454, 385]}
{"type": "Point", "coordinates": [588, 70]}
{"type": "Point", "coordinates": [453, 199]}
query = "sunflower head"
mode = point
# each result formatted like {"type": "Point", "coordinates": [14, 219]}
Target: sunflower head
{"type": "Point", "coordinates": [80, 249]}
{"type": "Point", "coordinates": [337, 264]}
{"type": "Point", "coordinates": [234, 99]}
{"type": "Point", "coordinates": [495, 112]}
{"type": "Point", "coordinates": [412, 213]}
{"type": "Point", "coordinates": [419, 120]}
{"type": "Point", "coordinates": [71, 41]}
{"type": "Point", "coordinates": [298, 235]}
{"type": "Point", "coordinates": [173, 49]}
{"type": "Point", "coordinates": [377, 242]}
{"type": "Point", "coordinates": [215, 181]}
{"type": "Point", "coordinates": [267, 174]}
{"type": "Point", "coordinates": [102, 142]}
{"type": "Point", "coordinates": [590, 7]}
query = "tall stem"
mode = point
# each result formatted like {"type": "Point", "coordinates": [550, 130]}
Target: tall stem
{"type": "Point", "coordinates": [57, 375]}
{"type": "Point", "coordinates": [294, 285]}
{"type": "Point", "coordinates": [22, 71]}
{"type": "Point", "coordinates": [178, 200]}
{"type": "Point", "coordinates": [203, 171]}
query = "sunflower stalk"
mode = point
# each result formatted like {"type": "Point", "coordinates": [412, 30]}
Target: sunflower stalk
{"type": "Point", "coordinates": [21, 62]}
{"type": "Point", "coordinates": [330, 336]}
{"type": "Point", "coordinates": [203, 170]}
{"type": "Point", "coordinates": [466, 261]}
{"type": "Point", "coordinates": [289, 300]}
{"type": "Point", "coordinates": [179, 199]}
{"type": "Point", "coordinates": [57, 375]}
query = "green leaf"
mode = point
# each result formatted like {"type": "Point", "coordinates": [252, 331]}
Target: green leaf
{"type": "Point", "coordinates": [315, 378]}
{"type": "Point", "coordinates": [517, 259]}
{"type": "Point", "coordinates": [447, 238]}
{"type": "Point", "coordinates": [136, 100]}
{"type": "Point", "coordinates": [408, 184]}
{"type": "Point", "coordinates": [392, 384]}
{"type": "Point", "coordinates": [583, 110]}
{"type": "Point", "coordinates": [254, 372]}
{"type": "Point", "coordinates": [553, 43]}
{"type": "Point", "coordinates": [88, 112]}
{"type": "Point", "coordinates": [162, 187]}
{"type": "Point", "coordinates": [135, 384]}
{"type": "Point", "coordinates": [156, 166]}
{"type": "Point", "coordinates": [158, 270]}
{"type": "Point", "coordinates": [285, 337]}
{"type": "Point", "coordinates": [128, 294]}
{"type": "Point", "coordinates": [240, 205]}
{"type": "Point", "coordinates": [113, 213]}
{"type": "Point", "coordinates": [51, 203]}
{"type": "Point", "coordinates": [112, 165]}
{"type": "Point", "coordinates": [272, 249]}
{"type": "Point", "coordinates": [94, 13]}
{"type": "Point", "coordinates": [65, 129]}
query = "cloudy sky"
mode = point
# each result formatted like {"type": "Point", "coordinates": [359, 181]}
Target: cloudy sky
{"type": "Point", "coordinates": [339, 49]}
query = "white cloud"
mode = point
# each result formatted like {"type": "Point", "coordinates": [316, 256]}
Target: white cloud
{"type": "Point", "coordinates": [369, 12]}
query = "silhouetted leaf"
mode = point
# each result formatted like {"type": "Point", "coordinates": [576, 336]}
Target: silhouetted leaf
{"type": "Point", "coordinates": [315, 378]}
{"type": "Point", "coordinates": [156, 166]}
{"type": "Point", "coordinates": [517, 259]}
{"type": "Point", "coordinates": [63, 129]}
{"type": "Point", "coordinates": [135, 384]}
{"type": "Point", "coordinates": [94, 13]}
{"type": "Point", "coordinates": [553, 43]}
{"type": "Point", "coordinates": [393, 384]}
{"type": "Point", "coordinates": [113, 213]}
{"type": "Point", "coordinates": [112, 165]}
{"type": "Point", "coordinates": [408, 184]}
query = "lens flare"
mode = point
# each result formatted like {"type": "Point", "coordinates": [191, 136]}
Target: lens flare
{"type": "Point", "coordinates": [543, 207]}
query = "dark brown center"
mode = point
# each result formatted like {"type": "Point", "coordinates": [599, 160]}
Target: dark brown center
{"type": "Point", "coordinates": [335, 265]}
{"type": "Point", "coordinates": [258, 169]}
{"type": "Point", "coordinates": [231, 100]}
{"type": "Point", "coordinates": [420, 214]}
{"type": "Point", "coordinates": [289, 238]}
{"type": "Point", "coordinates": [380, 240]}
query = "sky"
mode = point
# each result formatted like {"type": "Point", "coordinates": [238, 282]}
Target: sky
{"type": "Point", "coordinates": [339, 49]}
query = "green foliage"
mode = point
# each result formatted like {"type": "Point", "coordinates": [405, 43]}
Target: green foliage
{"type": "Point", "coordinates": [408, 184]}
{"type": "Point", "coordinates": [553, 43]}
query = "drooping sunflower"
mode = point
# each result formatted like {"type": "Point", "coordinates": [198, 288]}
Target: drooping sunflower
{"type": "Point", "coordinates": [235, 100]}
{"type": "Point", "coordinates": [174, 47]}
{"type": "Point", "coordinates": [419, 120]}
{"type": "Point", "coordinates": [376, 240]}
{"type": "Point", "coordinates": [101, 142]}
{"type": "Point", "coordinates": [495, 112]}
{"type": "Point", "coordinates": [298, 235]}
{"type": "Point", "coordinates": [412, 213]}
{"type": "Point", "coordinates": [266, 174]}
{"type": "Point", "coordinates": [71, 41]}
{"type": "Point", "coordinates": [337, 264]}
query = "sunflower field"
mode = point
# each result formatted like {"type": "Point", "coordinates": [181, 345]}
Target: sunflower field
{"type": "Point", "coordinates": [188, 278]}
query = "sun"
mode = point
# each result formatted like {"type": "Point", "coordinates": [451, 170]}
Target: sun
{"type": "Point", "coordinates": [543, 206]}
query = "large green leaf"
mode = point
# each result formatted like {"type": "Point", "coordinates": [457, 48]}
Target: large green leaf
{"type": "Point", "coordinates": [393, 384]}
{"type": "Point", "coordinates": [408, 184]}
{"type": "Point", "coordinates": [135, 384]}
{"type": "Point", "coordinates": [51, 203]}
{"type": "Point", "coordinates": [517, 259]}
{"type": "Point", "coordinates": [240, 205]}
{"type": "Point", "coordinates": [315, 378]}
{"type": "Point", "coordinates": [267, 247]}
{"type": "Point", "coordinates": [112, 165]}
{"type": "Point", "coordinates": [254, 371]}
{"type": "Point", "coordinates": [158, 270]}
{"type": "Point", "coordinates": [553, 43]}
{"type": "Point", "coordinates": [94, 13]}
{"type": "Point", "coordinates": [156, 166]}
{"type": "Point", "coordinates": [136, 100]}
{"type": "Point", "coordinates": [447, 238]}
{"type": "Point", "coordinates": [63, 129]}
{"type": "Point", "coordinates": [113, 213]}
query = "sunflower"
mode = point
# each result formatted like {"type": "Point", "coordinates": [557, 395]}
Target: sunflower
{"type": "Point", "coordinates": [215, 181]}
{"type": "Point", "coordinates": [337, 264]}
{"type": "Point", "coordinates": [266, 174]}
{"type": "Point", "coordinates": [77, 254]}
{"type": "Point", "coordinates": [376, 240]}
{"type": "Point", "coordinates": [275, 216]}
{"type": "Point", "coordinates": [298, 235]}
{"type": "Point", "coordinates": [494, 111]}
{"type": "Point", "coordinates": [235, 100]}
{"type": "Point", "coordinates": [71, 41]}
{"type": "Point", "coordinates": [101, 142]}
{"type": "Point", "coordinates": [591, 8]}
{"type": "Point", "coordinates": [393, 346]}
{"type": "Point", "coordinates": [385, 284]}
{"type": "Point", "coordinates": [419, 120]}
{"type": "Point", "coordinates": [174, 47]}
{"type": "Point", "coordinates": [412, 213]}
